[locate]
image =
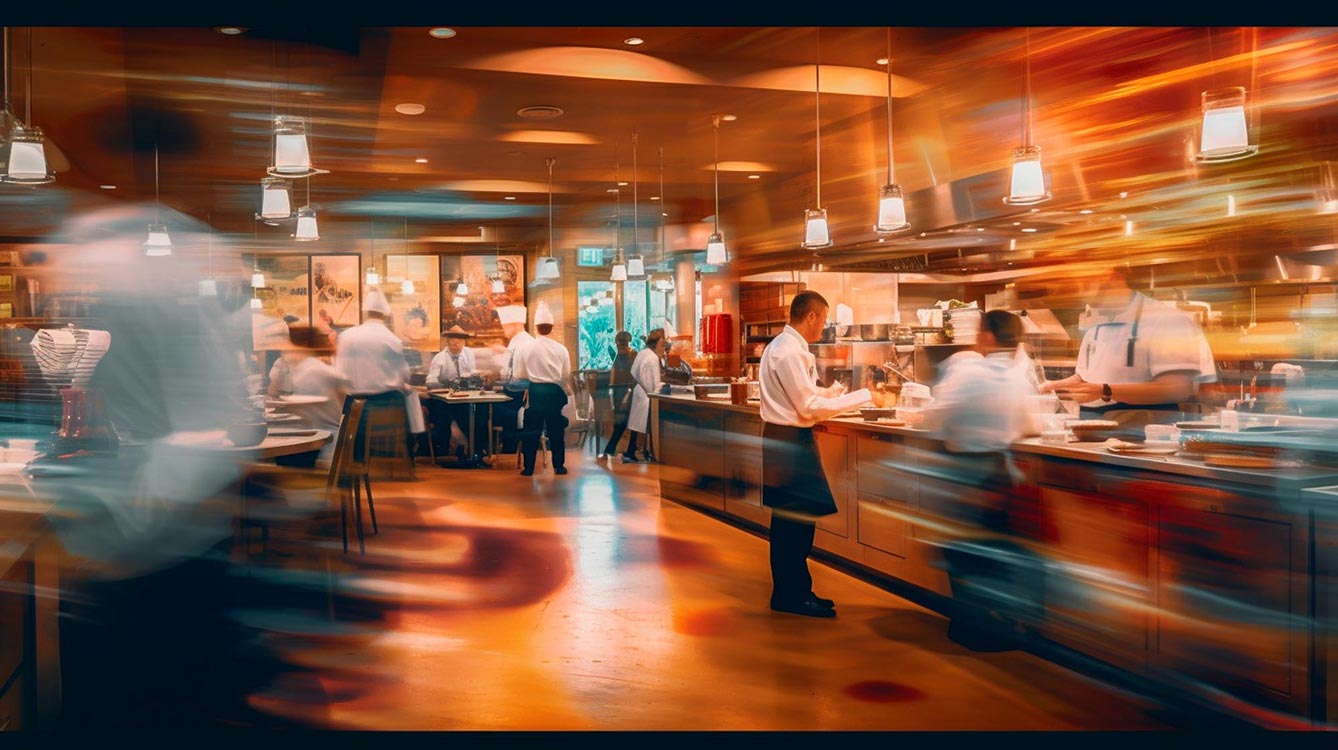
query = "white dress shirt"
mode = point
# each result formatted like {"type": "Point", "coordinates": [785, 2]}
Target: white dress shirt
{"type": "Point", "coordinates": [790, 393]}
{"type": "Point", "coordinates": [446, 367]}
{"type": "Point", "coordinates": [979, 403]}
{"type": "Point", "coordinates": [544, 361]}
{"type": "Point", "coordinates": [371, 358]}
{"type": "Point", "coordinates": [516, 344]}
{"type": "Point", "coordinates": [1168, 340]}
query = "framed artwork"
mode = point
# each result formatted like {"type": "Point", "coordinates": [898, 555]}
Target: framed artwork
{"type": "Point", "coordinates": [475, 311]}
{"type": "Point", "coordinates": [6, 283]}
{"type": "Point", "coordinates": [336, 291]}
{"type": "Point", "coordinates": [289, 277]}
{"type": "Point", "coordinates": [416, 318]}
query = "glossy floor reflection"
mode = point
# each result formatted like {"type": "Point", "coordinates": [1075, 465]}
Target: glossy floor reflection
{"type": "Point", "coordinates": [585, 603]}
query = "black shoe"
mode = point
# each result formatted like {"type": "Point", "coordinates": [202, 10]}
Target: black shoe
{"type": "Point", "coordinates": [824, 602]}
{"type": "Point", "coordinates": [807, 607]}
{"type": "Point", "coordinates": [527, 472]}
{"type": "Point", "coordinates": [560, 470]}
{"type": "Point", "coordinates": [460, 453]}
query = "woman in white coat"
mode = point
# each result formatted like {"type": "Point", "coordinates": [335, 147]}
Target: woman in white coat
{"type": "Point", "coordinates": [646, 373]}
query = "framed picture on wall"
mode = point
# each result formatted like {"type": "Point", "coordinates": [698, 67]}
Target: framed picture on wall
{"type": "Point", "coordinates": [284, 301]}
{"type": "Point", "coordinates": [336, 291]}
{"type": "Point", "coordinates": [416, 317]}
{"type": "Point", "coordinates": [475, 311]}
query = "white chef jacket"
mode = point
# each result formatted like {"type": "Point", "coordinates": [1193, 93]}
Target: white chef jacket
{"type": "Point", "coordinates": [1167, 340]}
{"type": "Point", "coordinates": [371, 358]}
{"type": "Point", "coordinates": [517, 343]}
{"type": "Point", "coordinates": [544, 361]}
{"type": "Point", "coordinates": [790, 393]}
{"type": "Point", "coordinates": [646, 373]}
{"type": "Point", "coordinates": [444, 366]}
{"type": "Point", "coordinates": [979, 403]}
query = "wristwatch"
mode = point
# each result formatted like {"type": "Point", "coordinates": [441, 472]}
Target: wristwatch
{"type": "Point", "coordinates": [1105, 392]}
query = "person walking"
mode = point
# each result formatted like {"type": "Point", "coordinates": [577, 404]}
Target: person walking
{"type": "Point", "coordinates": [793, 483]}
{"type": "Point", "coordinates": [547, 366]}
{"type": "Point", "coordinates": [646, 373]}
{"type": "Point", "coordinates": [620, 391]}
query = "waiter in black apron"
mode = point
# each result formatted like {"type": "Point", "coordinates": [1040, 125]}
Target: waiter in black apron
{"type": "Point", "coordinates": [793, 483]}
{"type": "Point", "coordinates": [1139, 360]}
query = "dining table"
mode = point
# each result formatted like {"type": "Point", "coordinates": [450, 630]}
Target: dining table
{"type": "Point", "coordinates": [474, 399]}
{"type": "Point", "coordinates": [278, 442]}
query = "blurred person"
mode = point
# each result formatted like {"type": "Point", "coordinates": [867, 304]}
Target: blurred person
{"type": "Point", "coordinates": [325, 325]}
{"type": "Point", "coordinates": [646, 369]}
{"type": "Point", "coordinates": [448, 367]}
{"type": "Point", "coordinates": [620, 390]}
{"type": "Point", "coordinates": [148, 594]}
{"type": "Point", "coordinates": [793, 483]}
{"type": "Point", "coordinates": [677, 370]}
{"type": "Point", "coordinates": [507, 415]}
{"type": "Point", "coordinates": [545, 364]}
{"type": "Point", "coordinates": [1139, 358]}
{"type": "Point", "coordinates": [371, 358]}
{"type": "Point", "coordinates": [308, 375]}
{"type": "Point", "coordinates": [980, 408]}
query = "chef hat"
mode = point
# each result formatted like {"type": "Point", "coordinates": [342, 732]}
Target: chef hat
{"type": "Point", "coordinates": [512, 314]}
{"type": "Point", "coordinates": [376, 302]}
{"type": "Point", "coordinates": [543, 316]}
{"type": "Point", "coordinates": [845, 316]}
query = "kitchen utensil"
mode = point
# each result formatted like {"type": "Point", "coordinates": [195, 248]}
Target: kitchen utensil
{"type": "Point", "coordinates": [873, 332]}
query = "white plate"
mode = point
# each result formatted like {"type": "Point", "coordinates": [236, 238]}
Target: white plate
{"type": "Point", "coordinates": [277, 418]}
{"type": "Point", "coordinates": [299, 399]}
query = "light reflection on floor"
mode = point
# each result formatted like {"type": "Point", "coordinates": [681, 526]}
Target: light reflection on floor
{"type": "Point", "coordinates": [585, 603]}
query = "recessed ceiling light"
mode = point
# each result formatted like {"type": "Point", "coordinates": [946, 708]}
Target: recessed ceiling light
{"type": "Point", "coordinates": [441, 32]}
{"type": "Point", "coordinates": [1017, 223]}
{"type": "Point", "coordinates": [1035, 210]}
{"type": "Point", "coordinates": [509, 197]}
{"type": "Point", "coordinates": [1028, 229]}
{"type": "Point", "coordinates": [882, 61]}
{"type": "Point", "coordinates": [420, 160]}
{"type": "Point", "coordinates": [663, 214]}
{"type": "Point", "coordinates": [633, 41]}
{"type": "Point", "coordinates": [1085, 211]}
{"type": "Point", "coordinates": [540, 112]}
{"type": "Point", "coordinates": [107, 187]}
{"type": "Point", "coordinates": [655, 197]}
{"type": "Point", "coordinates": [622, 184]}
{"type": "Point", "coordinates": [754, 176]}
{"type": "Point", "coordinates": [611, 190]}
{"type": "Point", "coordinates": [229, 30]}
{"type": "Point", "coordinates": [729, 118]}
{"type": "Point", "coordinates": [410, 108]}
{"type": "Point", "coordinates": [1123, 194]}
{"type": "Point", "coordinates": [980, 229]}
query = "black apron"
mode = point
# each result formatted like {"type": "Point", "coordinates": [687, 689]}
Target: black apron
{"type": "Point", "coordinates": [792, 476]}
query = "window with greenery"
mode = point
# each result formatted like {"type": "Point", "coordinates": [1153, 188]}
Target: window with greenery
{"type": "Point", "coordinates": [634, 311]}
{"type": "Point", "coordinates": [596, 319]}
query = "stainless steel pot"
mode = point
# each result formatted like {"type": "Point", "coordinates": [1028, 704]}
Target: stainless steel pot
{"type": "Point", "coordinates": [874, 332]}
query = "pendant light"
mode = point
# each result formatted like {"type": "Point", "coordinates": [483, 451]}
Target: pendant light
{"type": "Point", "coordinates": [715, 244]}
{"type": "Point", "coordinates": [406, 286]}
{"type": "Point", "coordinates": [498, 286]}
{"type": "Point", "coordinates": [276, 200]}
{"type": "Point", "coordinates": [23, 155]}
{"type": "Point", "coordinates": [816, 233]}
{"type": "Point", "coordinates": [665, 284]}
{"type": "Point", "coordinates": [1027, 182]}
{"type": "Point", "coordinates": [547, 267]}
{"type": "Point", "coordinates": [636, 265]}
{"type": "Point", "coordinates": [158, 243]}
{"type": "Point", "coordinates": [208, 287]}
{"type": "Point", "coordinates": [619, 271]}
{"type": "Point", "coordinates": [891, 202]}
{"type": "Point", "coordinates": [373, 278]}
{"type": "Point", "coordinates": [290, 152]}
{"type": "Point", "coordinates": [306, 221]}
{"type": "Point", "coordinates": [1224, 134]}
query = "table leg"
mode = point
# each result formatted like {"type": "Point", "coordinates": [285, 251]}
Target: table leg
{"type": "Point", "coordinates": [472, 409]}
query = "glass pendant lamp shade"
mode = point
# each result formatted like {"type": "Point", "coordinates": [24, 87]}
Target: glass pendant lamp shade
{"type": "Point", "coordinates": [1027, 182]}
{"type": "Point", "coordinates": [158, 242]}
{"type": "Point", "coordinates": [255, 303]}
{"type": "Point", "coordinates": [891, 210]}
{"type": "Point", "coordinates": [619, 272]}
{"type": "Point", "coordinates": [1224, 134]}
{"type": "Point", "coordinates": [636, 267]}
{"type": "Point", "coordinates": [257, 280]}
{"type": "Point", "coordinates": [208, 288]}
{"type": "Point", "coordinates": [498, 287]}
{"type": "Point", "coordinates": [275, 198]}
{"type": "Point", "coordinates": [306, 225]}
{"type": "Point", "coordinates": [715, 250]}
{"type": "Point", "coordinates": [291, 153]}
{"type": "Point", "coordinates": [25, 162]}
{"type": "Point", "coordinates": [373, 278]}
{"type": "Point", "coordinates": [548, 268]}
{"type": "Point", "coordinates": [815, 229]}
{"type": "Point", "coordinates": [406, 286]}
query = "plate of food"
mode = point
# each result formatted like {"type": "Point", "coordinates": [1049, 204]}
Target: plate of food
{"type": "Point", "coordinates": [1115, 445]}
{"type": "Point", "coordinates": [1093, 430]}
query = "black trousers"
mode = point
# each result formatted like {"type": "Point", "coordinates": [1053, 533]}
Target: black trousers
{"type": "Point", "coordinates": [443, 414]}
{"type": "Point", "coordinates": [544, 416]}
{"type": "Point", "coordinates": [619, 427]}
{"type": "Point", "coordinates": [791, 543]}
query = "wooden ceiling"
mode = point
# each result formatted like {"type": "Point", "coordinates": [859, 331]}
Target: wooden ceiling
{"type": "Point", "coordinates": [1114, 109]}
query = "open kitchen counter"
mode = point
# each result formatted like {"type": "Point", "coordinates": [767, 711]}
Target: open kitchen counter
{"type": "Point", "coordinates": [1200, 579]}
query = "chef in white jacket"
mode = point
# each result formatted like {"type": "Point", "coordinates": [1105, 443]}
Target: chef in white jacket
{"type": "Point", "coordinates": [547, 366]}
{"type": "Point", "coordinates": [371, 359]}
{"type": "Point", "coordinates": [646, 374]}
{"type": "Point", "coordinates": [507, 415]}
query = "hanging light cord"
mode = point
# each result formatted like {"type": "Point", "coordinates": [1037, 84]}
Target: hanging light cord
{"type": "Point", "coordinates": [157, 203]}
{"type": "Point", "coordinates": [634, 185]}
{"type": "Point", "coordinates": [662, 204]}
{"type": "Point", "coordinates": [715, 123]}
{"type": "Point", "coordinates": [1026, 98]}
{"type": "Point", "coordinates": [889, 105]}
{"type": "Point", "coordinates": [6, 81]}
{"type": "Point", "coordinates": [817, 107]}
{"type": "Point", "coordinates": [549, 161]}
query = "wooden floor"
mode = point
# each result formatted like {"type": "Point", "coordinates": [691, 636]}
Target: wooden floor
{"type": "Point", "coordinates": [584, 602]}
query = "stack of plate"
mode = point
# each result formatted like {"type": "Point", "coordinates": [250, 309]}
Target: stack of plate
{"type": "Point", "coordinates": [965, 324]}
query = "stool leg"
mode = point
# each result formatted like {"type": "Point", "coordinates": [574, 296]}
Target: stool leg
{"type": "Point", "coordinates": [370, 507]}
{"type": "Point", "coordinates": [357, 512]}
{"type": "Point", "coordinates": [343, 517]}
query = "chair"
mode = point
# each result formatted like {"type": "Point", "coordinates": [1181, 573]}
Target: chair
{"type": "Point", "coordinates": [387, 428]}
{"type": "Point", "coordinates": [431, 434]}
{"type": "Point", "coordinates": [583, 406]}
{"type": "Point", "coordinates": [602, 394]}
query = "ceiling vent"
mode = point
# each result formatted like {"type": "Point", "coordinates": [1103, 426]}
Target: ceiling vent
{"type": "Point", "coordinates": [540, 112]}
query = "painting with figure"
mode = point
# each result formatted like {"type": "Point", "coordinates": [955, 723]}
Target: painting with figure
{"type": "Point", "coordinates": [474, 311]}
{"type": "Point", "coordinates": [289, 277]}
{"type": "Point", "coordinates": [335, 284]}
{"type": "Point", "coordinates": [417, 316]}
